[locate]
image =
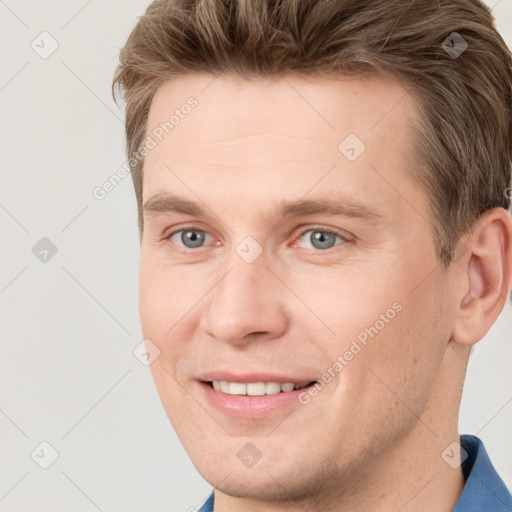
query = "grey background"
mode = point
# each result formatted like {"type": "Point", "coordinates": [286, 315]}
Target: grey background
{"type": "Point", "coordinates": [68, 375]}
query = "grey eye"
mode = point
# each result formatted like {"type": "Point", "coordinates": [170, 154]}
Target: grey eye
{"type": "Point", "coordinates": [191, 238]}
{"type": "Point", "coordinates": [320, 239]}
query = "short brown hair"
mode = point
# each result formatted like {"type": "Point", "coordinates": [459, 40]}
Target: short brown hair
{"type": "Point", "coordinates": [463, 143]}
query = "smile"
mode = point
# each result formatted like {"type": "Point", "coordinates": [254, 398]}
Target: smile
{"type": "Point", "coordinates": [256, 388]}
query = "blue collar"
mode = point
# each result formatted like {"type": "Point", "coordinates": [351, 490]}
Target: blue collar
{"type": "Point", "coordinates": [208, 504]}
{"type": "Point", "coordinates": [484, 489]}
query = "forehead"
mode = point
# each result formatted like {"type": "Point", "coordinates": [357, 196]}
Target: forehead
{"type": "Point", "coordinates": [284, 131]}
{"type": "Point", "coordinates": [327, 107]}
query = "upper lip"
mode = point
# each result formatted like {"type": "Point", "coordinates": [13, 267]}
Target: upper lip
{"type": "Point", "coordinates": [253, 377]}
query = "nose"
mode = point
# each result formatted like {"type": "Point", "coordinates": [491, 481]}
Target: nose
{"type": "Point", "coordinates": [246, 304]}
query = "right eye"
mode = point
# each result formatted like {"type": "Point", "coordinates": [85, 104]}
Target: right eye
{"type": "Point", "coordinates": [189, 238]}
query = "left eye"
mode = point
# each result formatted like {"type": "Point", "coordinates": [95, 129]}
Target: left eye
{"type": "Point", "coordinates": [190, 238]}
{"type": "Point", "coordinates": [319, 239]}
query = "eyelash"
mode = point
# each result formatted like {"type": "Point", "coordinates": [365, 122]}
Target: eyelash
{"type": "Point", "coordinates": [319, 229]}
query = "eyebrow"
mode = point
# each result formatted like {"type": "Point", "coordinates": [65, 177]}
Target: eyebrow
{"type": "Point", "coordinates": [162, 203]}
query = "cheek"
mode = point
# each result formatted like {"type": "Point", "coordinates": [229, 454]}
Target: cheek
{"type": "Point", "coordinates": [166, 295]}
{"type": "Point", "coordinates": [163, 308]}
{"type": "Point", "coordinates": [151, 295]}
{"type": "Point", "coordinates": [391, 340]}
{"type": "Point", "coordinates": [347, 304]}
{"type": "Point", "coordinates": [403, 362]}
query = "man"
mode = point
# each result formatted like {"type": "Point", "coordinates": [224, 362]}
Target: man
{"type": "Point", "coordinates": [323, 193]}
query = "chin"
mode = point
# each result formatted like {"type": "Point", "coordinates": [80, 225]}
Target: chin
{"type": "Point", "coordinates": [248, 485]}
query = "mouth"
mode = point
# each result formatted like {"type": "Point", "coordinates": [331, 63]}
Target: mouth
{"type": "Point", "coordinates": [253, 395]}
{"type": "Point", "coordinates": [256, 388]}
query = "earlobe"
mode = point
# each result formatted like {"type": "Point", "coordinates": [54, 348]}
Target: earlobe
{"type": "Point", "coordinates": [487, 273]}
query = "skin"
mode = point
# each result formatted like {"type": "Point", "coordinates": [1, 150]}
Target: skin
{"type": "Point", "coordinates": [373, 437]}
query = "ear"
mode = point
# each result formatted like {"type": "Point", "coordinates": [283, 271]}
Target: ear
{"type": "Point", "coordinates": [485, 276]}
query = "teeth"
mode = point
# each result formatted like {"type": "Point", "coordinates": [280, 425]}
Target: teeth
{"type": "Point", "coordinates": [255, 388]}
{"type": "Point", "coordinates": [272, 388]}
{"type": "Point", "coordinates": [237, 388]}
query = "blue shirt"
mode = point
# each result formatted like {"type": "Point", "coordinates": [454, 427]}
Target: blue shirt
{"type": "Point", "coordinates": [484, 490]}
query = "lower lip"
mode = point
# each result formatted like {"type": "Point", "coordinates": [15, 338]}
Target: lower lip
{"type": "Point", "coordinates": [245, 406]}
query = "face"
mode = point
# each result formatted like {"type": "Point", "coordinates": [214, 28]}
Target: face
{"type": "Point", "coordinates": [286, 242]}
